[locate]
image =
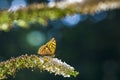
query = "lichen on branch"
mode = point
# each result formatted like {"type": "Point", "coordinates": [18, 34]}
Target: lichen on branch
{"type": "Point", "coordinates": [52, 65]}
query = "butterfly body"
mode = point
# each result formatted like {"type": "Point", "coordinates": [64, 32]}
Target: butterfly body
{"type": "Point", "coordinates": [48, 49]}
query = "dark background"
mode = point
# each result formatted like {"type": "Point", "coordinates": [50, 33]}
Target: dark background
{"type": "Point", "coordinates": [92, 48]}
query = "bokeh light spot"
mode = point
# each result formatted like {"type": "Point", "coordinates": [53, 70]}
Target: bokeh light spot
{"type": "Point", "coordinates": [36, 38]}
{"type": "Point", "coordinates": [4, 4]}
{"type": "Point", "coordinates": [99, 16]}
{"type": "Point", "coordinates": [17, 4]}
{"type": "Point", "coordinates": [70, 21]}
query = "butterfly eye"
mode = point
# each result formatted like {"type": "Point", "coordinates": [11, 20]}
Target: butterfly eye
{"type": "Point", "coordinates": [48, 49]}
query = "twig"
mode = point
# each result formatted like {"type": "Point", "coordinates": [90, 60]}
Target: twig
{"type": "Point", "coordinates": [52, 65]}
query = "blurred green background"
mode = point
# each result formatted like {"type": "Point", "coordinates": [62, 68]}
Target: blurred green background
{"type": "Point", "coordinates": [92, 47]}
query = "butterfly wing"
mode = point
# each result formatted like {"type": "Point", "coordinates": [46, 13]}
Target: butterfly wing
{"type": "Point", "coordinates": [48, 49]}
{"type": "Point", "coordinates": [52, 46]}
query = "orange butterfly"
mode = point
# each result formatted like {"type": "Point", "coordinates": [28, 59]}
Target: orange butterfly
{"type": "Point", "coordinates": [48, 49]}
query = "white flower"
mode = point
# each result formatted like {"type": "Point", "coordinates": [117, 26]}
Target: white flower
{"type": "Point", "coordinates": [54, 65]}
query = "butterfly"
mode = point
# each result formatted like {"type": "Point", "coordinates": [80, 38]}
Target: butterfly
{"type": "Point", "coordinates": [48, 49]}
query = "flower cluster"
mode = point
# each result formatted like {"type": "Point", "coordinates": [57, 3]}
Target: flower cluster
{"type": "Point", "coordinates": [54, 65]}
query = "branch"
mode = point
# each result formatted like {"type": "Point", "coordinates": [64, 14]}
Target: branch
{"type": "Point", "coordinates": [41, 13]}
{"type": "Point", "coordinates": [52, 65]}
